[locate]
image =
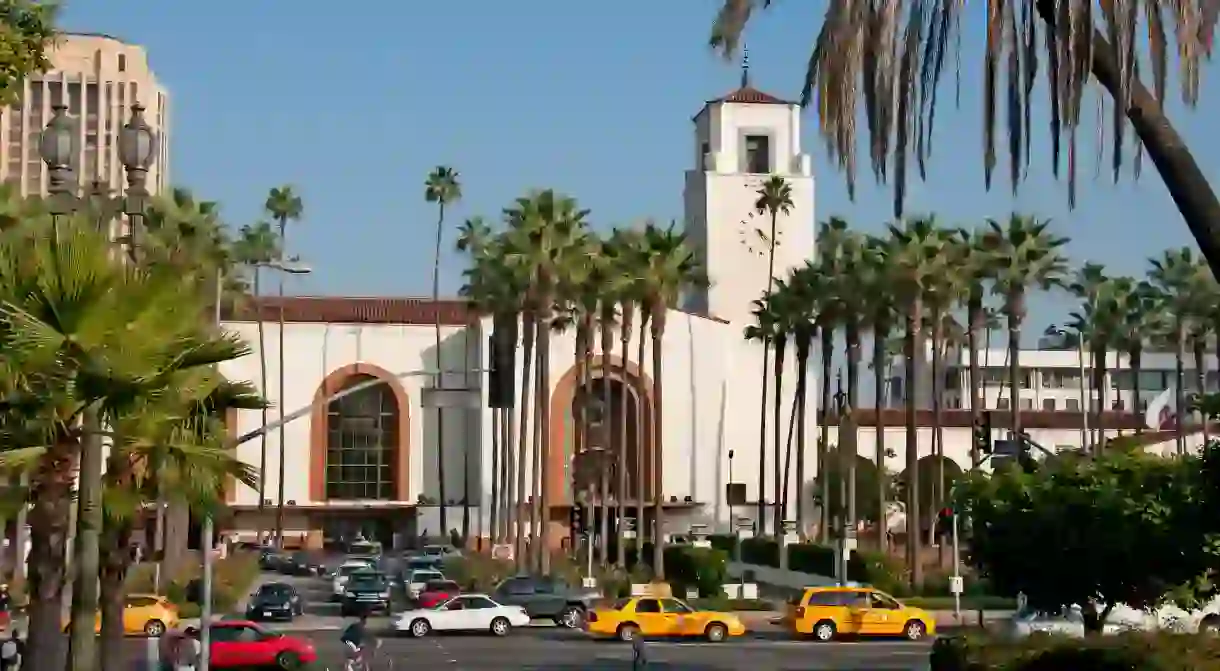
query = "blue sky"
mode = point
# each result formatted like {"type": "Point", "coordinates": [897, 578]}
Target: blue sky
{"type": "Point", "coordinates": [594, 99]}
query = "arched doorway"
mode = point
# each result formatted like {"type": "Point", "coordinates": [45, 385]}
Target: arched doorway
{"type": "Point", "coordinates": [611, 444]}
{"type": "Point", "coordinates": [362, 444]}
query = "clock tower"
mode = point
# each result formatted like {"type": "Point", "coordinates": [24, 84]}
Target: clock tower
{"type": "Point", "coordinates": [741, 140]}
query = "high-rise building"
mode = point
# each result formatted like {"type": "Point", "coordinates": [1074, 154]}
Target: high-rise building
{"type": "Point", "coordinates": [99, 78]}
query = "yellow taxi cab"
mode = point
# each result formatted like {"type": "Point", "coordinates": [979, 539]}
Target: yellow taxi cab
{"type": "Point", "coordinates": [829, 612]}
{"type": "Point", "coordinates": [653, 617]}
{"type": "Point", "coordinates": [146, 614]}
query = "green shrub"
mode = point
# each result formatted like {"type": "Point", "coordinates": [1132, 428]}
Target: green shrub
{"type": "Point", "coordinates": [477, 572]}
{"type": "Point", "coordinates": [232, 578]}
{"type": "Point", "coordinates": [1126, 652]}
{"type": "Point", "coordinates": [763, 551]}
{"type": "Point", "coordinates": [726, 542]}
{"type": "Point", "coordinates": [704, 569]}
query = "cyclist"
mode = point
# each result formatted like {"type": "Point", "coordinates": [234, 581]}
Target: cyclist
{"type": "Point", "coordinates": [357, 639]}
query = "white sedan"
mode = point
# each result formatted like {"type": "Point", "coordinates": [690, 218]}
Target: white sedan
{"type": "Point", "coordinates": [468, 612]}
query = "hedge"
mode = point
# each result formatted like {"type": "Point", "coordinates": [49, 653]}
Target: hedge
{"type": "Point", "coordinates": [864, 566]}
{"type": "Point", "coordinates": [232, 578]}
{"type": "Point", "coordinates": [1124, 652]}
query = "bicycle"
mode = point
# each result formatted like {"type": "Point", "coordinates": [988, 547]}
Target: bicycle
{"type": "Point", "coordinates": [360, 661]}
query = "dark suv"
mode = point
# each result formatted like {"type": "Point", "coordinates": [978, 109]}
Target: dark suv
{"type": "Point", "coordinates": [547, 599]}
{"type": "Point", "coordinates": [367, 592]}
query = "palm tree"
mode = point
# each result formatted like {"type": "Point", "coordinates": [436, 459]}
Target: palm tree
{"type": "Point", "coordinates": [283, 205]}
{"type": "Point", "coordinates": [257, 246]}
{"type": "Point", "coordinates": [764, 330]}
{"type": "Point", "coordinates": [781, 307]}
{"type": "Point", "coordinates": [1098, 322]}
{"type": "Point", "coordinates": [1140, 315]}
{"type": "Point", "coordinates": [626, 258]}
{"type": "Point", "coordinates": [892, 56]}
{"type": "Point", "coordinates": [548, 235]}
{"type": "Point", "coordinates": [773, 198]}
{"type": "Point", "coordinates": [918, 254]}
{"type": "Point", "coordinates": [879, 313]}
{"type": "Point", "coordinates": [442, 187]}
{"type": "Point", "coordinates": [975, 270]}
{"type": "Point", "coordinates": [185, 434]}
{"type": "Point", "coordinates": [842, 252]}
{"type": "Point", "coordinates": [1026, 255]}
{"type": "Point", "coordinates": [69, 352]}
{"type": "Point", "coordinates": [942, 292]}
{"type": "Point", "coordinates": [671, 267]}
{"type": "Point", "coordinates": [803, 286]}
{"type": "Point", "coordinates": [1179, 275]}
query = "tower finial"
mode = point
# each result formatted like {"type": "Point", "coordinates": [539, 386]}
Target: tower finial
{"type": "Point", "coordinates": [745, 67]}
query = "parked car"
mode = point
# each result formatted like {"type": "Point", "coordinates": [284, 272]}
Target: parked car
{"type": "Point", "coordinates": [146, 614]}
{"type": "Point", "coordinates": [441, 551]}
{"type": "Point", "coordinates": [367, 591]}
{"type": "Point", "coordinates": [436, 592]}
{"type": "Point", "coordinates": [304, 562]}
{"type": "Point", "coordinates": [416, 580]}
{"type": "Point", "coordinates": [238, 644]}
{"type": "Point", "coordinates": [275, 601]}
{"type": "Point", "coordinates": [468, 612]}
{"type": "Point", "coordinates": [547, 599]}
{"type": "Point", "coordinates": [270, 559]}
{"type": "Point", "coordinates": [343, 574]}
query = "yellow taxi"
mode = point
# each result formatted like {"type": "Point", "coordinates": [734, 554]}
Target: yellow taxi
{"type": "Point", "coordinates": [828, 612]}
{"type": "Point", "coordinates": [653, 617]}
{"type": "Point", "coordinates": [145, 614]}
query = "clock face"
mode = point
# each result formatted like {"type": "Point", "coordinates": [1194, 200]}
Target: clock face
{"type": "Point", "coordinates": [754, 233]}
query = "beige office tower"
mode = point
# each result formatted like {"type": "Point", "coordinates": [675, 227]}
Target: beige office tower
{"type": "Point", "coordinates": [99, 78]}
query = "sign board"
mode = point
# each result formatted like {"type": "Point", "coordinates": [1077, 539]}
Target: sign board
{"type": "Point", "coordinates": [791, 539]}
{"type": "Point", "coordinates": [956, 584]}
{"type": "Point", "coordinates": [692, 593]}
{"type": "Point", "coordinates": [503, 552]}
{"type": "Point", "coordinates": [628, 533]}
{"type": "Point", "coordinates": [588, 582]}
{"type": "Point", "coordinates": [745, 533]}
{"type": "Point", "coordinates": [702, 543]}
{"type": "Point", "coordinates": [470, 399]}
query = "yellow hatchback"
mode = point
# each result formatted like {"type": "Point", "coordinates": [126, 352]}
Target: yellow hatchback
{"type": "Point", "coordinates": [145, 614]}
{"type": "Point", "coordinates": [829, 612]}
{"type": "Point", "coordinates": [650, 617]}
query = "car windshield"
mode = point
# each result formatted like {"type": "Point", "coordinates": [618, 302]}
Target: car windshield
{"type": "Point", "coordinates": [620, 604]}
{"type": "Point", "coordinates": [350, 570]}
{"type": "Point", "coordinates": [368, 583]}
{"type": "Point", "coordinates": [418, 563]}
{"type": "Point", "coordinates": [274, 591]}
{"type": "Point", "coordinates": [426, 576]}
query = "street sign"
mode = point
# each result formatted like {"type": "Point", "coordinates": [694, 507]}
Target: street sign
{"type": "Point", "coordinates": [956, 585]}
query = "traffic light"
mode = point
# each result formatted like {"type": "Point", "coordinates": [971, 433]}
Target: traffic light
{"type": "Point", "coordinates": [944, 522]}
{"type": "Point", "coordinates": [982, 433]}
{"type": "Point", "coordinates": [576, 520]}
{"type": "Point", "coordinates": [502, 363]}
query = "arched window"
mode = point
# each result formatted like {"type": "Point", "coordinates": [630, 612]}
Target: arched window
{"type": "Point", "coordinates": [361, 443]}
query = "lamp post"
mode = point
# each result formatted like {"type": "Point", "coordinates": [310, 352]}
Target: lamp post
{"type": "Point", "coordinates": [847, 442]}
{"type": "Point", "coordinates": [59, 147]}
{"type": "Point", "coordinates": [291, 267]}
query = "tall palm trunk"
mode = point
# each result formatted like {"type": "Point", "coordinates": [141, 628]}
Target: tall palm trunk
{"type": "Point", "coordinates": [280, 392]}
{"type": "Point", "coordinates": [606, 470]}
{"type": "Point", "coordinates": [851, 338]}
{"type": "Point", "coordinates": [48, 518]}
{"type": "Point", "coordinates": [82, 638]}
{"type": "Point", "coordinates": [914, 318]}
{"type": "Point", "coordinates": [580, 433]}
{"type": "Point", "coordinates": [1099, 385]}
{"type": "Point", "coordinates": [542, 434]}
{"type": "Point", "coordinates": [528, 324]}
{"type": "Point", "coordinates": [1201, 376]}
{"type": "Point", "coordinates": [265, 412]}
{"type": "Point", "coordinates": [114, 564]}
{"type": "Point", "coordinates": [1015, 311]}
{"type": "Point", "coordinates": [497, 460]}
{"type": "Point", "coordinates": [824, 474]}
{"type": "Point", "coordinates": [762, 438]}
{"type": "Point", "coordinates": [938, 436]}
{"type": "Point", "coordinates": [439, 383]}
{"type": "Point", "coordinates": [642, 488]}
{"type": "Point", "coordinates": [624, 342]}
{"type": "Point", "coordinates": [975, 319]}
{"type": "Point", "coordinates": [880, 334]}
{"type": "Point", "coordinates": [1136, 358]}
{"type": "Point", "coordinates": [658, 314]}
{"type": "Point", "coordinates": [777, 513]}
{"type": "Point", "coordinates": [1179, 381]}
{"type": "Point", "coordinates": [804, 345]}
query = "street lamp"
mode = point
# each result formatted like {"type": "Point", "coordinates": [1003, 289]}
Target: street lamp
{"type": "Point", "coordinates": [290, 267]}
{"type": "Point", "coordinates": [138, 145]}
{"type": "Point", "coordinates": [58, 146]}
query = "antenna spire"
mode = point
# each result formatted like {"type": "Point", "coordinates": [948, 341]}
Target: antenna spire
{"type": "Point", "coordinates": [745, 67]}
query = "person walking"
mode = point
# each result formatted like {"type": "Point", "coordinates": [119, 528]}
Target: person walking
{"type": "Point", "coordinates": [11, 651]}
{"type": "Point", "coordinates": [189, 651]}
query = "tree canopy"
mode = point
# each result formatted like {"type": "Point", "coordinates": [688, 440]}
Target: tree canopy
{"type": "Point", "coordinates": [26, 29]}
{"type": "Point", "coordinates": [1125, 527]}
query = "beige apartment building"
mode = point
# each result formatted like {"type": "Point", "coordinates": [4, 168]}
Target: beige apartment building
{"type": "Point", "coordinates": [99, 78]}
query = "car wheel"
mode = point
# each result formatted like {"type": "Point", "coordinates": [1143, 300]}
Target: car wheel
{"type": "Point", "coordinates": [420, 628]}
{"type": "Point", "coordinates": [914, 630]}
{"type": "Point", "coordinates": [570, 617]}
{"type": "Point", "coordinates": [716, 632]}
{"type": "Point", "coordinates": [154, 628]}
{"type": "Point", "coordinates": [824, 631]}
{"type": "Point", "coordinates": [287, 661]}
{"type": "Point", "coordinates": [627, 632]}
{"type": "Point", "coordinates": [500, 627]}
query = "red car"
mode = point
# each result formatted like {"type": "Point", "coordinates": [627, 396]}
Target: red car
{"type": "Point", "coordinates": [244, 644]}
{"type": "Point", "coordinates": [437, 592]}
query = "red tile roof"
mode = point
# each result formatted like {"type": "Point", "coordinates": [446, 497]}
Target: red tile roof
{"type": "Point", "coordinates": [340, 310]}
{"type": "Point", "coordinates": [751, 96]}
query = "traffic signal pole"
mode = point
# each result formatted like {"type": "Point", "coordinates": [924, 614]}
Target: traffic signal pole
{"type": "Point", "coordinates": [956, 580]}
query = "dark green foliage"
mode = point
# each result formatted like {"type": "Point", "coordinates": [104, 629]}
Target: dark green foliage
{"type": "Point", "coordinates": [1127, 652]}
{"type": "Point", "coordinates": [686, 566]}
{"type": "Point", "coordinates": [1125, 527]}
